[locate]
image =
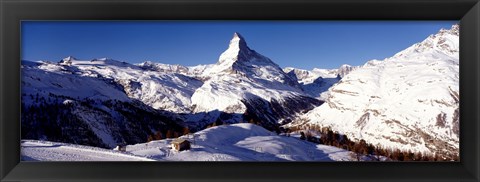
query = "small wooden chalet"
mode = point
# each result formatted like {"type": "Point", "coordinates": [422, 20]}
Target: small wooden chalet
{"type": "Point", "coordinates": [180, 144]}
{"type": "Point", "coordinates": [121, 148]}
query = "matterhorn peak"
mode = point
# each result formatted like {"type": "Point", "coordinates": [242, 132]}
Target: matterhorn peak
{"type": "Point", "coordinates": [238, 42]}
{"type": "Point", "coordinates": [236, 34]}
{"type": "Point", "coordinates": [237, 50]}
{"type": "Point", "coordinates": [240, 60]}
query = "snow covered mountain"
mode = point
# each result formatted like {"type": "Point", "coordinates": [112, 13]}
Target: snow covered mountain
{"type": "Point", "coordinates": [161, 90]}
{"type": "Point", "coordinates": [317, 81]}
{"type": "Point", "coordinates": [98, 102]}
{"type": "Point", "coordinates": [103, 97]}
{"type": "Point", "coordinates": [248, 85]}
{"type": "Point", "coordinates": [409, 101]}
{"type": "Point", "coordinates": [238, 142]}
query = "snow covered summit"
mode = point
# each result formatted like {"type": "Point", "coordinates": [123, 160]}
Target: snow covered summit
{"type": "Point", "coordinates": [445, 42]}
{"type": "Point", "coordinates": [237, 50]}
{"type": "Point", "coordinates": [239, 59]}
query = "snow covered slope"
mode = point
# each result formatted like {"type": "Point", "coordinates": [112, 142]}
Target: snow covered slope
{"type": "Point", "coordinates": [237, 142]}
{"type": "Point", "coordinates": [35, 150]}
{"type": "Point", "coordinates": [241, 142]}
{"type": "Point", "coordinates": [409, 101]}
{"type": "Point", "coordinates": [45, 78]}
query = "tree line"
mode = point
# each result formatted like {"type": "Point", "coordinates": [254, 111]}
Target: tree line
{"type": "Point", "coordinates": [362, 148]}
{"type": "Point", "coordinates": [170, 133]}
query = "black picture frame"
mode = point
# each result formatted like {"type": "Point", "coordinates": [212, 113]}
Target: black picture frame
{"type": "Point", "coordinates": [14, 11]}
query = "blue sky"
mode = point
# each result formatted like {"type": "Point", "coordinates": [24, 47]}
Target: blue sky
{"type": "Point", "coordinates": [300, 44]}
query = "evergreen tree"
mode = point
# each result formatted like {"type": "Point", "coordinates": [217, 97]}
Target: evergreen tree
{"type": "Point", "coordinates": [158, 135]}
{"type": "Point", "coordinates": [302, 135]}
{"type": "Point", "coordinates": [149, 138]}
{"type": "Point", "coordinates": [186, 131]}
{"type": "Point", "coordinates": [170, 134]}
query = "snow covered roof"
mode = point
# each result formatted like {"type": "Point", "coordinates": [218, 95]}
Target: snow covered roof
{"type": "Point", "coordinates": [179, 141]}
